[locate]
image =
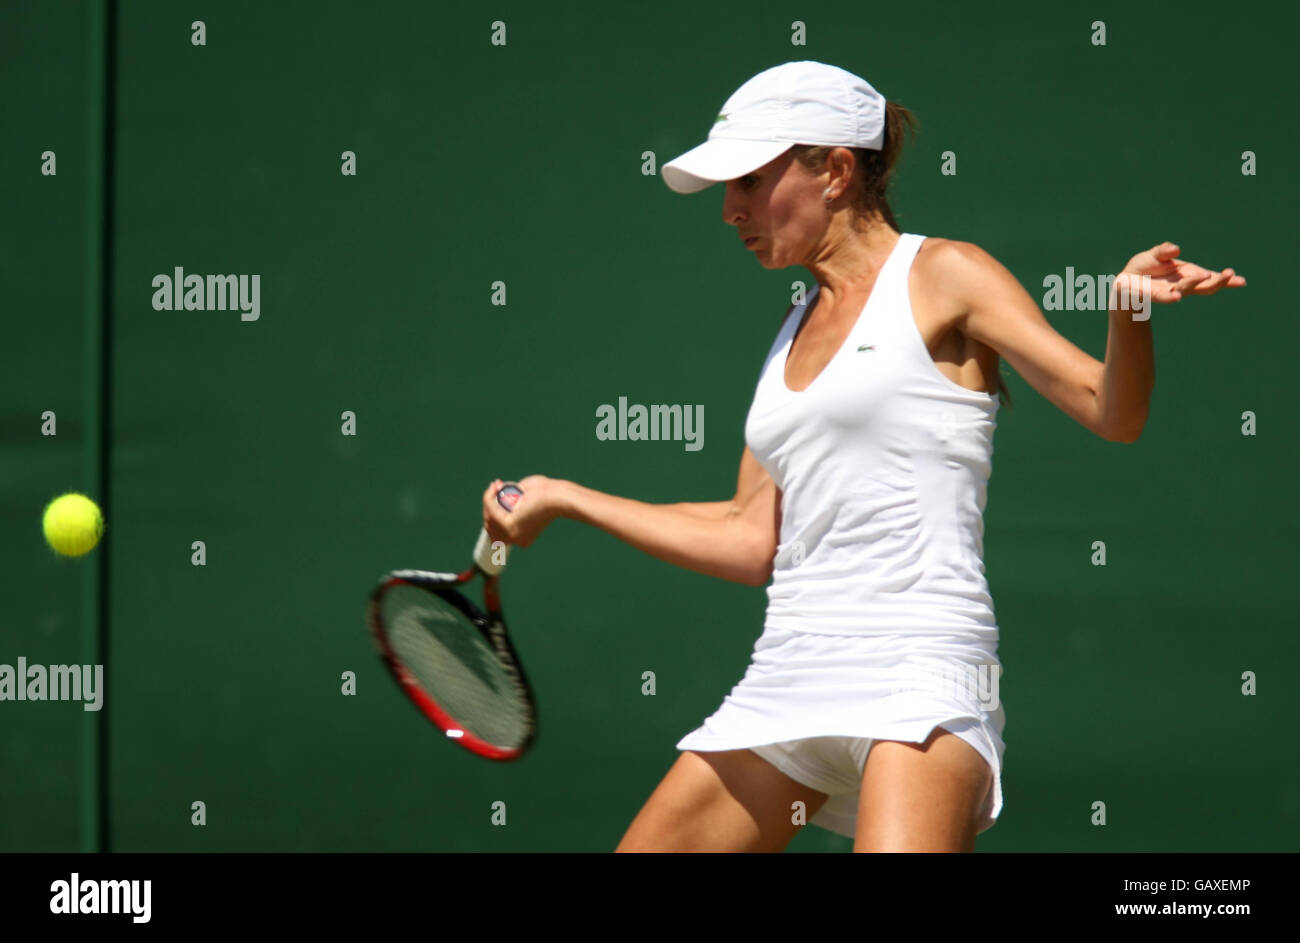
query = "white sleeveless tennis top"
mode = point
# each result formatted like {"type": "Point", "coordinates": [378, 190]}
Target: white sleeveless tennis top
{"type": "Point", "coordinates": [883, 465]}
{"type": "Point", "coordinates": [879, 622]}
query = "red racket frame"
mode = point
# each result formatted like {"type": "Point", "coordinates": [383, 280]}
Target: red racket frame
{"type": "Point", "coordinates": [490, 623]}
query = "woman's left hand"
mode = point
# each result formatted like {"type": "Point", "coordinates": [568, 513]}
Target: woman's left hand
{"type": "Point", "coordinates": [1172, 277]}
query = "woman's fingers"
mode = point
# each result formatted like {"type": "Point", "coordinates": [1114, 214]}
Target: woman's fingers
{"type": "Point", "coordinates": [493, 513]}
{"type": "Point", "coordinates": [1213, 283]}
{"type": "Point", "coordinates": [1165, 251]}
{"type": "Point", "coordinates": [1216, 280]}
{"type": "Point", "coordinates": [1192, 276]}
{"type": "Point", "coordinates": [1172, 277]}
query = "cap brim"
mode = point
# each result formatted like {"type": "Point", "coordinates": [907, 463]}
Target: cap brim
{"type": "Point", "coordinates": [719, 159]}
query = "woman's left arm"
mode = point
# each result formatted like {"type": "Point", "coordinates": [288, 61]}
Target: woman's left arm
{"type": "Point", "coordinates": [1110, 398]}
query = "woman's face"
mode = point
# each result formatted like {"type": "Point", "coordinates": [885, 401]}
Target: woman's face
{"type": "Point", "coordinates": [780, 204]}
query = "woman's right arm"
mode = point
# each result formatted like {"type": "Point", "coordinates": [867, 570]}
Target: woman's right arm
{"type": "Point", "coordinates": [734, 540]}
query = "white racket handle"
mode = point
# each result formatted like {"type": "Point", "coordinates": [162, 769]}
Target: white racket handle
{"type": "Point", "coordinates": [483, 554]}
{"type": "Point", "coordinates": [483, 547]}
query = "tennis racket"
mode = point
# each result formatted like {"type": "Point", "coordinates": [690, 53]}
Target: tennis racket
{"type": "Point", "coordinates": [453, 659]}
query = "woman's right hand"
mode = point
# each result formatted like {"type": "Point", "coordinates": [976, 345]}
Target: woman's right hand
{"type": "Point", "coordinates": [537, 506]}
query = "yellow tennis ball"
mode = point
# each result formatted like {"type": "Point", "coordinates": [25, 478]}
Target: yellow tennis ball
{"type": "Point", "coordinates": [73, 524]}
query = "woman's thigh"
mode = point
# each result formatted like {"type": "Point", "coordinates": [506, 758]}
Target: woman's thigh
{"type": "Point", "coordinates": [729, 800]}
{"type": "Point", "coordinates": [922, 797]}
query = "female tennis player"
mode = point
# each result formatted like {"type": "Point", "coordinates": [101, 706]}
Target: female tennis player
{"type": "Point", "coordinates": [871, 706]}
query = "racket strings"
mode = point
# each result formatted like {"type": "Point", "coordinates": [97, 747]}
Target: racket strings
{"type": "Point", "coordinates": [455, 666]}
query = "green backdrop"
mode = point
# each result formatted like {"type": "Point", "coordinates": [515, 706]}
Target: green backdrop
{"type": "Point", "coordinates": [523, 164]}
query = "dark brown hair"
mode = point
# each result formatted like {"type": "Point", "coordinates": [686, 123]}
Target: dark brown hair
{"type": "Point", "coordinates": [872, 174]}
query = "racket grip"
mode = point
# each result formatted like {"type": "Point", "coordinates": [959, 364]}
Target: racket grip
{"type": "Point", "coordinates": [509, 493]}
{"type": "Point", "coordinates": [483, 554]}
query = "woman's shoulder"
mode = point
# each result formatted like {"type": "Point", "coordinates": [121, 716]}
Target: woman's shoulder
{"type": "Point", "coordinates": [939, 251]}
{"type": "Point", "coordinates": [954, 264]}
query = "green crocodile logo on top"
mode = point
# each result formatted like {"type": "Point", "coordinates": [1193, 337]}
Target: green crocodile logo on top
{"type": "Point", "coordinates": [866, 347]}
{"type": "Point", "coordinates": [722, 116]}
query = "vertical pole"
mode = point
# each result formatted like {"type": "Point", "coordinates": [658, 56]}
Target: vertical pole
{"type": "Point", "coordinates": [98, 405]}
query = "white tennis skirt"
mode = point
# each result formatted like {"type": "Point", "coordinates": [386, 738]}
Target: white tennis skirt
{"type": "Point", "coordinates": [812, 704]}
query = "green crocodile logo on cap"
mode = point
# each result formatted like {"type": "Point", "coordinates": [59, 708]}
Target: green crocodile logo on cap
{"type": "Point", "coordinates": [721, 117]}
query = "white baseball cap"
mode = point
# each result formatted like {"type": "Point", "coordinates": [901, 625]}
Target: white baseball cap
{"type": "Point", "coordinates": [794, 103]}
